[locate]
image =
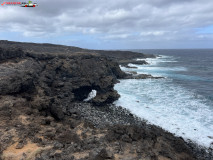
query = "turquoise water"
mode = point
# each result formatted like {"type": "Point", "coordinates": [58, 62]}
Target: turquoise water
{"type": "Point", "coordinates": [182, 103]}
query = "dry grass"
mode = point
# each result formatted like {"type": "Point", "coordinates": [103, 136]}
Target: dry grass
{"type": "Point", "coordinates": [81, 155]}
{"type": "Point", "coordinates": [28, 152]}
{"type": "Point", "coordinates": [23, 119]}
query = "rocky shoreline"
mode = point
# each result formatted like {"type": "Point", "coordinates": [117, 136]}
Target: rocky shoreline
{"type": "Point", "coordinates": [43, 114]}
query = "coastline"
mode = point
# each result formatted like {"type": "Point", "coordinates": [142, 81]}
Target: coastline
{"type": "Point", "coordinates": [39, 110]}
{"type": "Point", "coordinates": [177, 100]}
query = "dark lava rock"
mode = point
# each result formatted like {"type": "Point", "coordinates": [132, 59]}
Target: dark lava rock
{"type": "Point", "coordinates": [11, 54]}
{"type": "Point", "coordinates": [20, 145]}
{"type": "Point", "coordinates": [57, 112]}
{"type": "Point", "coordinates": [68, 137]}
{"type": "Point", "coordinates": [60, 50]}
{"type": "Point", "coordinates": [42, 92]}
{"type": "Point", "coordinates": [126, 62]}
{"type": "Point", "coordinates": [55, 81]}
{"type": "Point", "coordinates": [134, 75]}
{"type": "Point", "coordinates": [102, 154]}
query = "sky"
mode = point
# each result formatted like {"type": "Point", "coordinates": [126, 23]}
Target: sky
{"type": "Point", "coordinates": [111, 24]}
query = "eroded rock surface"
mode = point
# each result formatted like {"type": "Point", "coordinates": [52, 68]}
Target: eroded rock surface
{"type": "Point", "coordinates": [43, 116]}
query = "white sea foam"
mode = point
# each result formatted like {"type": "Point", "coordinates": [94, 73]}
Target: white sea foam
{"type": "Point", "coordinates": [91, 95]}
{"type": "Point", "coordinates": [165, 104]}
{"type": "Point", "coordinates": [161, 59]}
{"type": "Point", "coordinates": [154, 70]}
{"type": "Point", "coordinates": [171, 107]}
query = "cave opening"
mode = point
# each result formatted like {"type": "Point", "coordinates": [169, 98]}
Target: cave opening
{"type": "Point", "coordinates": [82, 92]}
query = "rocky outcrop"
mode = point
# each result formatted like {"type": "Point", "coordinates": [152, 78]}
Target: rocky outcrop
{"type": "Point", "coordinates": [41, 84]}
{"type": "Point", "coordinates": [123, 55]}
{"type": "Point", "coordinates": [46, 49]}
{"type": "Point", "coordinates": [135, 75]}
{"type": "Point", "coordinates": [126, 62]}
{"type": "Point", "coordinates": [43, 114]}
{"type": "Point", "coordinates": [51, 77]}
{"type": "Point", "coordinates": [10, 54]}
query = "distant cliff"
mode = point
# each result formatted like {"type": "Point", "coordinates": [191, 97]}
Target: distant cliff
{"type": "Point", "coordinates": [68, 50]}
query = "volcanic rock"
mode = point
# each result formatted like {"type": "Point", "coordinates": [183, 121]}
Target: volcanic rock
{"type": "Point", "coordinates": [43, 115]}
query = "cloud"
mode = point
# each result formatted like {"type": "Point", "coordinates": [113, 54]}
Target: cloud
{"type": "Point", "coordinates": [120, 20]}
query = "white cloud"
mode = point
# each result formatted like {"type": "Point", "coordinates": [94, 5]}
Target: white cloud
{"type": "Point", "coordinates": [117, 36]}
{"type": "Point", "coordinates": [154, 33]}
{"type": "Point", "coordinates": [121, 19]}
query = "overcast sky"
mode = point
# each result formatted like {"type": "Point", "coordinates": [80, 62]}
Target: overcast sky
{"type": "Point", "coordinates": [111, 24]}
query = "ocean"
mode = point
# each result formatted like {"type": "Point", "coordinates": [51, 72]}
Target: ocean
{"type": "Point", "coordinates": [182, 102]}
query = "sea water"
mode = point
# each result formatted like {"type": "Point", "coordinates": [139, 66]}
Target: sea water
{"type": "Point", "coordinates": [182, 102]}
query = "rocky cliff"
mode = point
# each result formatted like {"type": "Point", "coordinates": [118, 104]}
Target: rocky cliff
{"type": "Point", "coordinates": [43, 114]}
{"type": "Point", "coordinates": [51, 49]}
